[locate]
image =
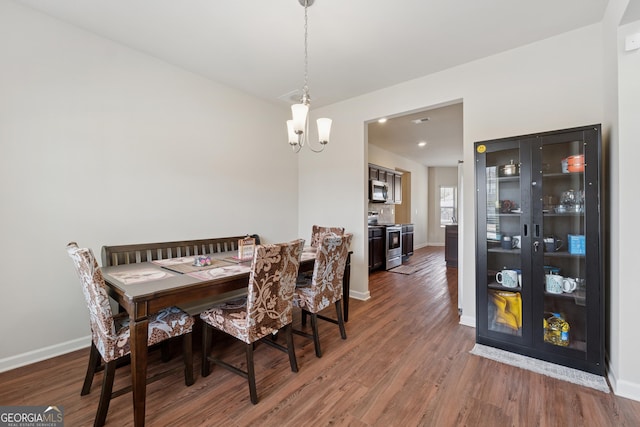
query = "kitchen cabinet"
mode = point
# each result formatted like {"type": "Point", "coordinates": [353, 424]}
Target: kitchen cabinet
{"type": "Point", "coordinates": [377, 254]}
{"type": "Point", "coordinates": [393, 180]}
{"type": "Point", "coordinates": [397, 189]}
{"type": "Point", "coordinates": [407, 241]}
{"type": "Point", "coordinates": [451, 245]}
{"type": "Point", "coordinates": [539, 263]}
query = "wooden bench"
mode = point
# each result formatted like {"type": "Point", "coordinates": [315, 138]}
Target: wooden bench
{"type": "Point", "coordinates": [143, 252]}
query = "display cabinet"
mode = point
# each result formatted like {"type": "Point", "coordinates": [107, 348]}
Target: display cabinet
{"type": "Point", "coordinates": [539, 246]}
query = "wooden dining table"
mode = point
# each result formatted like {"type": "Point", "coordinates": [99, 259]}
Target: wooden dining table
{"type": "Point", "coordinates": [145, 288]}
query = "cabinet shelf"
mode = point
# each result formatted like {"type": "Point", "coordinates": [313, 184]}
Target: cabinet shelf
{"type": "Point", "coordinates": [561, 174]}
{"type": "Point", "coordinates": [566, 214]}
{"type": "Point", "coordinates": [574, 345]}
{"type": "Point", "coordinates": [562, 254]}
{"type": "Point", "coordinates": [498, 287]}
{"type": "Point", "coordinates": [504, 251]}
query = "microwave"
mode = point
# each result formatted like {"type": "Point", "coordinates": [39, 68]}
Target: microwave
{"type": "Point", "coordinates": [378, 191]}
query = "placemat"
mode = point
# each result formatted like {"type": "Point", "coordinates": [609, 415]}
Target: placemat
{"type": "Point", "coordinates": [190, 268]}
{"type": "Point", "coordinates": [215, 273]}
{"type": "Point", "coordinates": [140, 275]}
{"type": "Point", "coordinates": [236, 260]}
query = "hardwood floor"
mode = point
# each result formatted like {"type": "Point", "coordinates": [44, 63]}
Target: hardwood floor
{"type": "Point", "coordinates": [405, 362]}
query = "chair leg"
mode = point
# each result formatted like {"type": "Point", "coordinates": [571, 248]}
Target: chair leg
{"type": "Point", "coordinates": [105, 395]}
{"type": "Point", "coordinates": [206, 349]}
{"type": "Point", "coordinates": [251, 374]}
{"type": "Point", "coordinates": [288, 331]}
{"type": "Point", "coordinates": [187, 354]}
{"type": "Point", "coordinates": [304, 317]}
{"type": "Point", "coordinates": [316, 336]}
{"type": "Point", "coordinates": [94, 362]}
{"type": "Point", "coordinates": [165, 354]}
{"type": "Point", "coordinates": [343, 332]}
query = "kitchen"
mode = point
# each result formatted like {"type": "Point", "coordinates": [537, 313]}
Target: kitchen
{"type": "Point", "coordinates": [411, 157]}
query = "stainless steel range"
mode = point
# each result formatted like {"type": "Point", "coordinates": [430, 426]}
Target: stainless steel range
{"type": "Point", "coordinates": [394, 246]}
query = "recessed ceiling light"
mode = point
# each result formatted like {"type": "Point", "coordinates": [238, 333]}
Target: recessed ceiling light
{"type": "Point", "coordinates": [422, 120]}
{"type": "Point", "coordinates": [422, 144]}
{"type": "Point", "coordinates": [382, 120]}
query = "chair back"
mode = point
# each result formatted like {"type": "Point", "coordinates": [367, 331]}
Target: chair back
{"type": "Point", "coordinates": [100, 314]}
{"type": "Point", "coordinates": [272, 283]}
{"type": "Point", "coordinates": [328, 270]}
{"type": "Point", "coordinates": [317, 232]}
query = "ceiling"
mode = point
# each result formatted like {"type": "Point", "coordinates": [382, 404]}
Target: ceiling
{"type": "Point", "coordinates": [440, 128]}
{"type": "Point", "coordinates": [355, 46]}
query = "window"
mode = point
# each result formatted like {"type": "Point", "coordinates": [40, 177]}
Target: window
{"type": "Point", "coordinates": [447, 205]}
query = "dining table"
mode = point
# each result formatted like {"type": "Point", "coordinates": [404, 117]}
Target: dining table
{"type": "Point", "coordinates": [144, 288]}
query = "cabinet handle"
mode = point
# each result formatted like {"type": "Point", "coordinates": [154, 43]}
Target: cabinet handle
{"type": "Point", "coordinates": [524, 232]}
{"type": "Point", "coordinates": [536, 244]}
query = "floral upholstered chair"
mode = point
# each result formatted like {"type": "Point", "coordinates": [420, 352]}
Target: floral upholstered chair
{"type": "Point", "coordinates": [265, 310]}
{"type": "Point", "coordinates": [325, 286]}
{"type": "Point", "coordinates": [110, 335]}
{"type": "Point", "coordinates": [318, 231]}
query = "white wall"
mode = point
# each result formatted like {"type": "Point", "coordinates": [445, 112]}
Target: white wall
{"type": "Point", "coordinates": [438, 177]}
{"type": "Point", "coordinates": [419, 188]}
{"type": "Point", "coordinates": [104, 145]}
{"type": "Point", "coordinates": [542, 86]}
{"type": "Point", "coordinates": [626, 346]}
{"type": "Point", "coordinates": [552, 84]}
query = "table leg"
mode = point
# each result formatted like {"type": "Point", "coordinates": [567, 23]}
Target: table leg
{"type": "Point", "coordinates": [346, 286]}
{"type": "Point", "coordinates": [139, 334]}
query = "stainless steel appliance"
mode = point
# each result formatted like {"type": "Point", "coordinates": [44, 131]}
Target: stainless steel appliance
{"type": "Point", "coordinates": [378, 191]}
{"type": "Point", "coordinates": [372, 218]}
{"type": "Point", "coordinates": [394, 246]}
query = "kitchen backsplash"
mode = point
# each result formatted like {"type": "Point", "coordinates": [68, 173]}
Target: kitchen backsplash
{"type": "Point", "coordinates": [386, 213]}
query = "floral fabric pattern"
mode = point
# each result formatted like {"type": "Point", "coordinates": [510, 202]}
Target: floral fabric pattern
{"type": "Point", "coordinates": [318, 232]}
{"type": "Point", "coordinates": [328, 273]}
{"type": "Point", "coordinates": [268, 305]}
{"type": "Point", "coordinates": [112, 342]}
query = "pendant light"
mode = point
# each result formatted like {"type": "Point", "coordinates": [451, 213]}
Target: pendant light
{"type": "Point", "coordinates": [298, 127]}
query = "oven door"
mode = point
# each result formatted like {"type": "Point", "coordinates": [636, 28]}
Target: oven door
{"type": "Point", "coordinates": [394, 247]}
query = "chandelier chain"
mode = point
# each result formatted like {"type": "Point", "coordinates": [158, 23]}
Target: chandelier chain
{"type": "Point", "coordinates": [305, 88]}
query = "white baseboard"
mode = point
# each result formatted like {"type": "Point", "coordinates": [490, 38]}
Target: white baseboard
{"type": "Point", "coordinates": [468, 321]}
{"type": "Point", "coordinates": [622, 388]}
{"type": "Point", "coordinates": [44, 353]}
{"type": "Point", "coordinates": [362, 296]}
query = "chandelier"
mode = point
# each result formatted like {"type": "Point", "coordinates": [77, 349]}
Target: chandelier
{"type": "Point", "coordinates": [298, 128]}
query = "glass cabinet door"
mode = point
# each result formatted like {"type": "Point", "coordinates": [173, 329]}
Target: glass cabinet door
{"type": "Point", "coordinates": [560, 267]}
{"type": "Point", "coordinates": [503, 212]}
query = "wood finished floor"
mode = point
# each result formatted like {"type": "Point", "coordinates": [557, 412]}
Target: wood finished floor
{"type": "Point", "coordinates": [406, 362]}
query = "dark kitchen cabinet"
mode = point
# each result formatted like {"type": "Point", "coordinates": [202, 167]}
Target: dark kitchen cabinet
{"type": "Point", "coordinates": [407, 241]}
{"type": "Point", "coordinates": [451, 245]}
{"type": "Point", "coordinates": [376, 248]}
{"type": "Point", "coordinates": [539, 264]}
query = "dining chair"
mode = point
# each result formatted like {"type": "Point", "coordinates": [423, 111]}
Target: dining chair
{"type": "Point", "coordinates": [265, 310]}
{"type": "Point", "coordinates": [325, 286]}
{"type": "Point", "coordinates": [318, 231]}
{"type": "Point", "coordinates": [110, 334]}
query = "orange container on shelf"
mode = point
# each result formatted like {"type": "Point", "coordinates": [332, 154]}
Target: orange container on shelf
{"type": "Point", "coordinates": [575, 163]}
